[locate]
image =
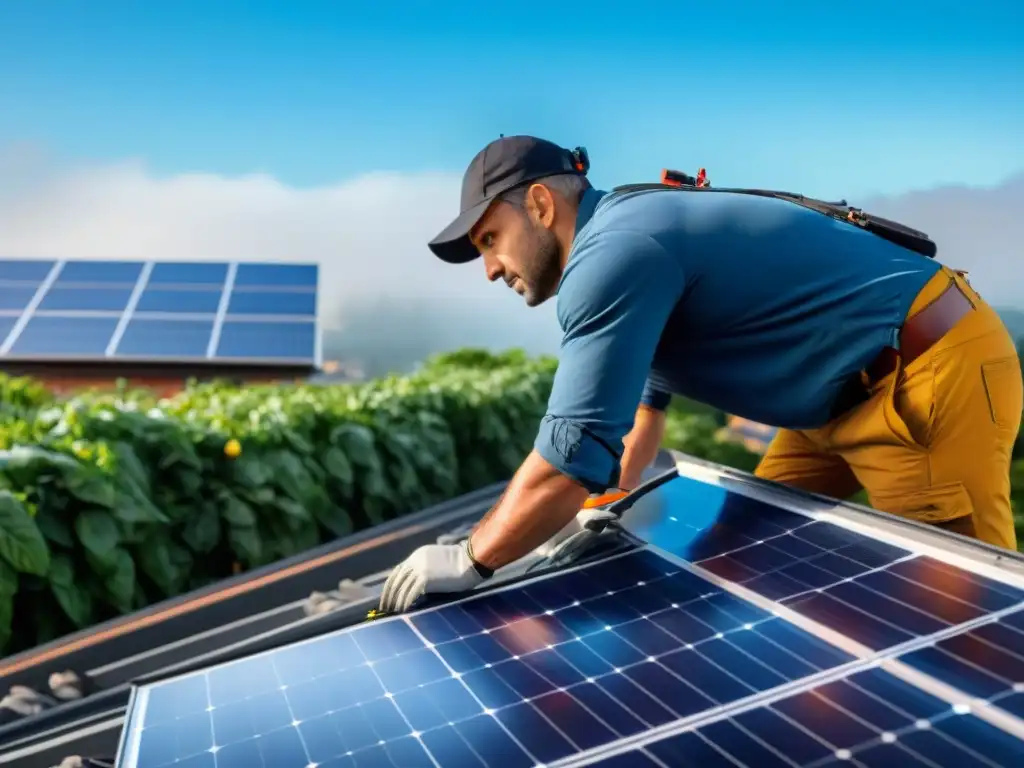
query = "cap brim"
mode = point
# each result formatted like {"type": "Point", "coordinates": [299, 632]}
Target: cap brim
{"type": "Point", "coordinates": [453, 244]}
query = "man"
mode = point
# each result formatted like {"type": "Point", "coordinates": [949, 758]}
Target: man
{"type": "Point", "coordinates": [883, 369]}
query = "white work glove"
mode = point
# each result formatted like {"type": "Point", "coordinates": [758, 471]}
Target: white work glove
{"type": "Point", "coordinates": [579, 534]}
{"type": "Point", "coordinates": [430, 569]}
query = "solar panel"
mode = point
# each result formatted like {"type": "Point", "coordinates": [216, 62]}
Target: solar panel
{"type": "Point", "coordinates": [272, 303]}
{"type": "Point", "coordinates": [64, 337]}
{"type": "Point", "coordinates": [85, 299]}
{"type": "Point", "coordinates": [159, 311]}
{"type": "Point", "coordinates": [126, 272]}
{"type": "Point", "coordinates": [25, 269]}
{"type": "Point", "coordinates": [665, 655]}
{"type": "Point", "coordinates": [189, 273]}
{"type": "Point", "coordinates": [173, 300]}
{"type": "Point", "coordinates": [266, 339]}
{"type": "Point", "coordinates": [16, 295]}
{"type": "Point", "coordinates": [276, 275]}
{"type": "Point", "coordinates": [869, 718]}
{"type": "Point", "coordinates": [147, 337]}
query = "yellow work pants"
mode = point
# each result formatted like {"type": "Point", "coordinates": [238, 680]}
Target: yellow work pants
{"type": "Point", "coordinates": [933, 441]}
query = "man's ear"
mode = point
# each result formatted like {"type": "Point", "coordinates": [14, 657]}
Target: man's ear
{"type": "Point", "coordinates": [540, 204]}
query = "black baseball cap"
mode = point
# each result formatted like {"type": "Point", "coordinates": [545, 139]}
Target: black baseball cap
{"type": "Point", "coordinates": [502, 165]}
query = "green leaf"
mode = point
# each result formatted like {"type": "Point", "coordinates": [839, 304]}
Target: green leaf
{"type": "Point", "coordinates": [358, 444]}
{"type": "Point", "coordinates": [26, 466]}
{"type": "Point", "coordinates": [75, 600]}
{"type": "Point", "coordinates": [55, 527]}
{"type": "Point", "coordinates": [155, 560]}
{"type": "Point", "coordinates": [97, 530]}
{"type": "Point", "coordinates": [338, 466]}
{"type": "Point", "coordinates": [236, 512]}
{"type": "Point", "coordinates": [202, 531]}
{"type": "Point", "coordinates": [246, 544]}
{"type": "Point", "coordinates": [21, 542]}
{"type": "Point", "coordinates": [91, 487]}
{"type": "Point", "coordinates": [120, 582]}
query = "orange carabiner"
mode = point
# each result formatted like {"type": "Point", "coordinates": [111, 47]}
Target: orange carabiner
{"type": "Point", "coordinates": [604, 499]}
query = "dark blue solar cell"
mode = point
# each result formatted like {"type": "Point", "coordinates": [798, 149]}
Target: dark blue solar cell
{"type": "Point", "coordinates": [100, 272]}
{"type": "Point", "coordinates": [858, 702]}
{"type": "Point", "coordinates": [282, 275]}
{"type": "Point", "coordinates": [16, 296]}
{"type": "Point", "coordinates": [165, 338]}
{"type": "Point", "coordinates": [974, 733]}
{"type": "Point", "coordinates": [255, 341]}
{"type": "Point", "coordinates": [272, 303]}
{"type": "Point", "coordinates": [688, 750]}
{"type": "Point", "coordinates": [7, 323]}
{"type": "Point", "coordinates": [716, 685]}
{"type": "Point", "coordinates": [783, 735]}
{"type": "Point", "coordinates": [67, 336]}
{"type": "Point", "coordinates": [1015, 620]}
{"type": "Point", "coordinates": [942, 605]}
{"type": "Point", "coordinates": [803, 644]}
{"type": "Point", "coordinates": [998, 633]}
{"type": "Point", "coordinates": [860, 626]}
{"type": "Point", "coordinates": [953, 671]}
{"type": "Point", "coordinates": [975, 650]}
{"type": "Point", "coordinates": [754, 674]}
{"type": "Point", "coordinates": [25, 269]}
{"type": "Point", "coordinates": [163, 300]}
{"type": "Point", "coordinates": [633, 759]}
{"type": "Point", "coordinates": [60, 298]}
{"type": "Point", "coordinates": [825, 721]}
{"type": "Point", "coordinates": [958, 584]}
{"type": "Point", "coordinates": [185, 272]}
{"type": "Point", "coordinates": [742, 747]}
{"type": "Point", "coordinates": [882, 607]}
{"type": "Point", "coordinates": [898, 694]}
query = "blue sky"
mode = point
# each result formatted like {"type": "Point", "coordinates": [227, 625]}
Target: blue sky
{"type": "Point", "coordinates": [828, 98]}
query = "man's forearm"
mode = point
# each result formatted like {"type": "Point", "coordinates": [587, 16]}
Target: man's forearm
{"type": "Point", "coordinates": [537, 504]}
{"type": "Point", "coordinates": [641, 446]}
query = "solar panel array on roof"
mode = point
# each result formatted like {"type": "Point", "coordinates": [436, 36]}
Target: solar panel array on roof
{"type": "Point", "coordinates": [159, 311]}
{"type": "Point", "coordinates": [742, 634]}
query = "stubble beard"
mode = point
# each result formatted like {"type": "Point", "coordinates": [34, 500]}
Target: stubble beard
{"type": "Point", "coordinates": [544, 271]}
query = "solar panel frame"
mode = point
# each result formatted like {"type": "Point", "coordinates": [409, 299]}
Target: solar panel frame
{"type": "Point", "coordinates": [967, 556]}
{"type": "Point", "coordinates": [83, 289]}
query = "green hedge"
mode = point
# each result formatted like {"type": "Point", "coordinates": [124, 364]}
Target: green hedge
{"type": "Point", "coordinates": [112, 501]}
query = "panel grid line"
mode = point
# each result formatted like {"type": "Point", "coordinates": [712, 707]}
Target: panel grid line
{"type": "Point", "coordinates": [26, 314]}
{"type": "Point", "coordinates": [291, 711]}
{"type": "Point", "coordinates": [133, 301]}
{"type": "Point", "coordinates": [867, 658]}
{"type": "Point", "coordinates": [222, 309]}
{"type": "Point", "coordinates": [458, 677]}
{"type": "Point", "coordinates": [376, 676]}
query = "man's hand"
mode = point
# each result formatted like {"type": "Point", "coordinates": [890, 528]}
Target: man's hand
{"type": "Point", "coordinates": [584, 530]}
{"type": "Point", "coordinates": [430, 569]}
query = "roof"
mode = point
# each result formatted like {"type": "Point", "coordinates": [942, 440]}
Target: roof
{"type": "Point", "coordinates": [757, 550]}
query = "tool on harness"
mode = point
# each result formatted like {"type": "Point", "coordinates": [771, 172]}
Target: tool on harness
{"type": "Point", "coordinates": [893, 231]}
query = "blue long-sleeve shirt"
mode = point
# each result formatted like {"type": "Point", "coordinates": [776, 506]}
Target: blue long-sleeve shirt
{"type": "Point", "coordinates": [756, 306]}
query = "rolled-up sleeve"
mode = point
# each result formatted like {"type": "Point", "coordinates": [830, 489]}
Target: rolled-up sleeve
{"type": "Point", "coordinates": [617, 293]}
{"type": "Point", "coordinates": [654, 397]}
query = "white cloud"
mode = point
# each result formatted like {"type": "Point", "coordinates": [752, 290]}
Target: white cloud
{"type": "Point", "coordinates": [368, 234]}
{"type": "Point", "coordinates": [379, 283]}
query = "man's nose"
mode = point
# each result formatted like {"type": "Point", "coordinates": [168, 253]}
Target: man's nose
{"type": "Point", "coordinates": [492, 267]}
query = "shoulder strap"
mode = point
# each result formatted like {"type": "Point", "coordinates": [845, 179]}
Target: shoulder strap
{"type": "Point", "coordinates": [893, 231]}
